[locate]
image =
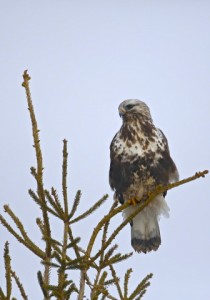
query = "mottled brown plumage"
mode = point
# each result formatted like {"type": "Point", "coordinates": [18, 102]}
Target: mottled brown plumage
{"type": "Point", "coordinates": [140, 160]}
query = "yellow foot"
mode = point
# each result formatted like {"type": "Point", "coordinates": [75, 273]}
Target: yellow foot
{"type": "Point", "coordinates": [133, 201]}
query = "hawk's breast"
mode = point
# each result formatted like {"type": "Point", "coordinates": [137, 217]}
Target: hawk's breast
{"type": "Point", "coordinates": [139, 157]}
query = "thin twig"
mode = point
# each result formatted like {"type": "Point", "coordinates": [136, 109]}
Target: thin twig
{"type": "Point", "coordinates": [39, 175]}
{"type": "Point", "coordinates": [82, 285]}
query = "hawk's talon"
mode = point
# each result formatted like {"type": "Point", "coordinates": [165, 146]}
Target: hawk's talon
{"type": "Point", "coordinates": [133, 201]}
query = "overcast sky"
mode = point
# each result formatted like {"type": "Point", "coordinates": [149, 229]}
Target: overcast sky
{"type": "Point", "coordinates": [85, 57]}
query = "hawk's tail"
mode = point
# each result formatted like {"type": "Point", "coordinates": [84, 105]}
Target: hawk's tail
{"type": "Point", "coordinates": [145, 232]}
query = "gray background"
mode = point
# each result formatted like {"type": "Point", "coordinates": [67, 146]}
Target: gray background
{"type": "Point", "coordinates": [84, 58]}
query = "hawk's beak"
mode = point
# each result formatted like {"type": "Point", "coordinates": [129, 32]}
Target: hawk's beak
{"type": "Point", "coordinates": [122, 111]}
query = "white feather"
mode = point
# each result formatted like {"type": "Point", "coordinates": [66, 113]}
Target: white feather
{"type": "Point", "coordinates": [145, 224]}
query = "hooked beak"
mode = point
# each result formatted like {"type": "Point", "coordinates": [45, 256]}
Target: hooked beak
{"type": "Point", "coordinates": [122, 111]}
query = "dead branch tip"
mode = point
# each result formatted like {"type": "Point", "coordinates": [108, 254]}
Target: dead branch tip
{"type": "Point", "coordinates": [26, 78]}
{"type": "Point", "coordinates": [202, 174]}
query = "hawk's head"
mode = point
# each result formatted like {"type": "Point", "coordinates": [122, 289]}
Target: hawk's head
{"type": "Point", "coordinates": [130, 107]}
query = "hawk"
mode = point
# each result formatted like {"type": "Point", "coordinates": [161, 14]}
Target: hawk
{"type": "Point", "coordinates": [140, 160]}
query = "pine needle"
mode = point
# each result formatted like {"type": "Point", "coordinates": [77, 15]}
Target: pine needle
{"type": "Point", "coordinates": [41, 283]}
{"type": "Point", "coordinates": [2, 296]}
{"type": "Point", "coordinates": [64, 177]}
{"type": "Point", "coordinates": [19, 285]}
{"type": "Point", "coordinates": [57, 204]}
{"type": "Point", "coordinates": [117, 258]}
{"type": "Point", "coordinates": [141, 287]}
{"type": "Point", "coordinates": [126, 280]}
{"type": "Point", "coordinates": [75, 204]}
{"type": "Point", "coordinates": [7, 264]}
{"type": "Point", "coordinates": [90, 210]}
{"type": "Point", "coordinates": [116, 281]}
{"type": "Point", "coordinates": [26, 241]}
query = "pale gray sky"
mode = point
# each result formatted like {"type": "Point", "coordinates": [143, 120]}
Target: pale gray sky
{"type": "Point", "coordinates": [84, 58]}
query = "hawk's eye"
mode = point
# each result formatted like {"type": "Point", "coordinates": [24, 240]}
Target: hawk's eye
{"type": "Point", "coordinates": [129, 106]}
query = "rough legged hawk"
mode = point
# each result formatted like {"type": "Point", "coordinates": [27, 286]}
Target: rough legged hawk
{"type": "Point", "coordinates": [140, 160]}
